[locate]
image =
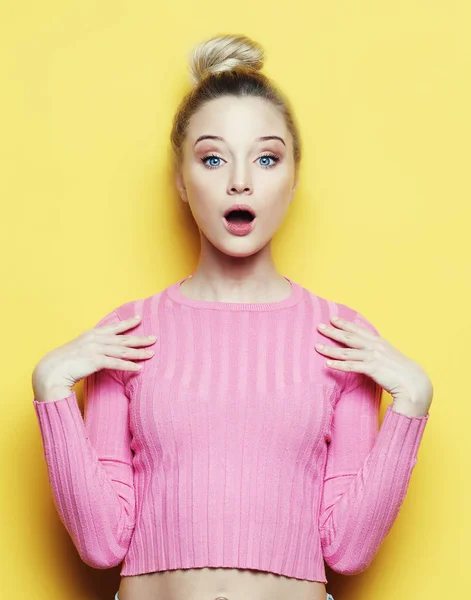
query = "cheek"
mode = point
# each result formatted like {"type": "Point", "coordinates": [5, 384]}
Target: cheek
{"type": "Point", "coordinates": [206, 195]}
{"type": "Point", "coordinates": [196, 187]}
{"type": "Point", "coordinates": [277, 194]}
{"type": "Point", "coordinates": [201, 182]}
{"type": "Point", "coordinates": [204, 207]}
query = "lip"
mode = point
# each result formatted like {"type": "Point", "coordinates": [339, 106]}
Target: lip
{"type": "Point", "coordinates": [241, 207]}
{"type": "Point", "coordinates": [239, 228]}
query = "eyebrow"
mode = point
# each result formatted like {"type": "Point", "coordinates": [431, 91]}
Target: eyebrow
{"type": "Point", "coordinates": [259, 139]}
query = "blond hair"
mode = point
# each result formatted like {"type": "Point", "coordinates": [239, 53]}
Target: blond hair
{"type": "Point", "coordinates": [228, 65]}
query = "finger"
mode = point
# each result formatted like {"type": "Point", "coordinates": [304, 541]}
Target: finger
{"type": "Point", "coordinates": [351, 326]}
{"type": "Point", "coordinates": [120, 325]}
{"type": "Point", "coordinates": [128, 340]}
{"type": "Point", "coordinates": [341, 353]}
{"type": "Point", "coordinates": [118, 364]}
{"type": "Point", "coordinates": [350, 338]}
{"type": "Point", "coordinates": [124, 352]}
{"type": "Point", "coordinates": [358, 366]}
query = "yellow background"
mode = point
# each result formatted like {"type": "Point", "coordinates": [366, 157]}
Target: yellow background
{"type": "Point", "coordinates": [381, 222]}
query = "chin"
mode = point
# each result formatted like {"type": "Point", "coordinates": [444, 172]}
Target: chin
{"type": "Point", "coordinates": [242, 248]}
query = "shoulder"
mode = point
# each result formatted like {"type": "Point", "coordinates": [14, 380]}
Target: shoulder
{"type": "Point", "coordinates": [324, 308]}
{"type": "Point", "coordinates": [140, 306]}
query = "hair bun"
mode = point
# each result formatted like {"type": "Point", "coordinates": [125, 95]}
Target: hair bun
{"type": "Point", "coordinates": [223, 53]}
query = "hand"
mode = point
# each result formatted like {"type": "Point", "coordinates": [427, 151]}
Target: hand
{"type": "Point", "coordinates": [93, 350]}
{"type": "Point", "coordinates": [404, 379]}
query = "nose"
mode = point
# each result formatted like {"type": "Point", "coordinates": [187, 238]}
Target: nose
{"type": "Point", "coordinates": [240, 182]}
{"type": "Point", "coordinates": [237, 188]}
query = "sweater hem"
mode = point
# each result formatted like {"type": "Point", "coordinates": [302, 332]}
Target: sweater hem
{"type": "Point", "coordinates": [129, 572]}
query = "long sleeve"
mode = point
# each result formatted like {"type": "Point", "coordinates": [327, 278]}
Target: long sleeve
{"type": "Point", "coordinates": [89, 463]}
{"type": "Point", "coordinates": [367, 472]}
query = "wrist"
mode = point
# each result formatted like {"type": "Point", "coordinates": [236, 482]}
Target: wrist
{"type": "Point", "coordinates": [52, 393]}
{"type": "Point", "coordinates": [409, 409]}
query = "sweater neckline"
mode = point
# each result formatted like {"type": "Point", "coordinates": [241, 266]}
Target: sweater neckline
{"type": "Point", "coordinates": [175, 294]}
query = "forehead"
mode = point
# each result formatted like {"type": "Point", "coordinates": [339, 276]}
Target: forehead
{"type": "Point", "coordinates": [237, 119]}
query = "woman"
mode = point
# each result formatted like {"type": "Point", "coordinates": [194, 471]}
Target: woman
{"type": "Point", "coordinates": [240, 455]}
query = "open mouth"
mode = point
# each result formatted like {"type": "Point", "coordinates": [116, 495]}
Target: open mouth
{"type": "Point", "coordinates": [239, 216]}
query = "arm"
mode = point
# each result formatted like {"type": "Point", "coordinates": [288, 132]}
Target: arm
{"type": "Point", "coordinates": [367, 472]}
{"type": "Point", "coordinates": [89, 463]}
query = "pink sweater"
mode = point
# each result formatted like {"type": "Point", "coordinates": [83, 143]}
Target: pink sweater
{"type": "Point", "coordinates": [235, 446]}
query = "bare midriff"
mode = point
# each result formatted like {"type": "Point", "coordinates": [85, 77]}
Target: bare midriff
{"type": "Point", "coordinates": [218, 584]}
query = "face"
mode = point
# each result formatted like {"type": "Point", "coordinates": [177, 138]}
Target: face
{"type": "Point", "coordinates": [237, 169]}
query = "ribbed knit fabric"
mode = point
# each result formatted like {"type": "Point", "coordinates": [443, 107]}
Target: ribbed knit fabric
{"type": "Point", "coordinates": [234, 446]}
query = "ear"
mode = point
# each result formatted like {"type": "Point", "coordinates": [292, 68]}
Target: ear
{"type": "Point", "coordinates": [180, 186]}
{"type": "Point", "coordinates": [293, 189]}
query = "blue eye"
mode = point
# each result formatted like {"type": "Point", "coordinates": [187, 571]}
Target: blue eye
{"type": "Point", "coordinates": [264, 156]}
{"type": "Point", "coordinates": [210, 156]}
{"type": "Point", "coordinates": [273, 157]}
